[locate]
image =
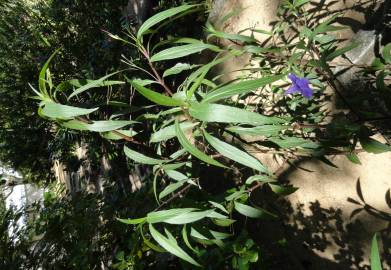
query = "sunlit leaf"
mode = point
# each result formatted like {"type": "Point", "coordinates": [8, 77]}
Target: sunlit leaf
{"type": "Point", "coordinates": [171, 246]}
{"type": "Point", "coordinates": [242, 87]}
{"type": "Point", "coordinates": [178, 68]}
{"type": "Point", "coordinates": [373, 146]}
{"type": "Point", "coordinates": [59, 111]}
{"type": "Point", "coordinates": [181, 51]}
{"type": "Point", "coordinates": [156, 97]}
{"type": "Point", "coordinates": [375, 257]}
{"type": "Point", "coordinates": [253, 212]}
{"type": "Point", "coordinates": [168, 132]}
{"type": "Point", "coordinates": [235, 154]}
{"type": "Point", "coordinates": [140, 158]}
{"type": "Point", "coordinates": [227, 114]}
{"type": "Point", "coordinates": [97, 126]}
{"type": "Point", "coordinates": [95, 83]}
{"type": "Point", "coordinates": [171, 188]}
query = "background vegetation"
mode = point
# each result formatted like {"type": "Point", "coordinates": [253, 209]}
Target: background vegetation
{"type": "Point", "coordinates": [142, 99]}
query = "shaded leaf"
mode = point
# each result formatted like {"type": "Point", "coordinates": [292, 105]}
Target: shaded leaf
{"type": "Point", "coordinates": [192, 149]}
{"type": "Point", "coordinates": [161, 16]}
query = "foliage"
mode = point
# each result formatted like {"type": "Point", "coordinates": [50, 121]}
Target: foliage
{"type": "Point", "coordinates": [192, 129]}
{"type": "Point", "coordinates": [28, 32]}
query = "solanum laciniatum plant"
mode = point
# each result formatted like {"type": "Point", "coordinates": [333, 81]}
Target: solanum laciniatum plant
{"type": "Point", "coordinates": [203, 137]}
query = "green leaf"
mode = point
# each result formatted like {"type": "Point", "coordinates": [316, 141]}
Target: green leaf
{"type": "Point", "coordinates": [164, 215]}
{"type": "Point", "coordinates": [224, 222]}
{"type": "Point", "coordinates": [115, 136]}
{"type": "Point", "coordinates": [252, 212]}
{"type": "Point", "coordinates": [171, 188]}
{"type": "Point", "coordinates": [59, 111]}
{"type": "Point", "coordinates": [192, 149]}
{"type": "Point", "coordinates": [168, 132]}
{"type": "Point", "coordinates": [226, 114]}
{"type": "Point", "coordinates": [190, 217]}
{"type": "Point", "coordinates": [291, 142]}
{"type": "Point", "coordinates": [177, 176]}
{"type": "Point", "coordinates": [353, 158]}
{"type": "Point", "coordinates": [161, 16]}
{"type": "Point", "coordinates": [97, 126]}
{"type": "Point", "coordinates": [171, 246]}
{"type": "Point", "coordinates": [372, 146]}
{"type": "Point", "coordinates": [132, 221]}
{"type": "Point", "coordinates": [181, 51]}
{"type": "Point", "coordinates": [387, 53]}
{"type": "Point", "coordinates": [282, 190]}
{"type": "Point", "coordinates": [242, 87]}
{"type": "Point", "coordinates": [219, 206]}
{"type": "Point", "coordinates": [375, 257]}
{"type": "Point", "coordinates": [235, 154]}
{"type": "Point", "coordinates": [42, 74]}
{"type": "Point", "coordinates": [156, 97]}
{"type": "Point", "coordinates": [259, 178]}
{"type": "Point", "coordinates": [140, 158]}
{"type": "Point", "coordinates": [178, 68]}
{"type": "Point", "coordinates": [340, 51]}
{"type": "Point", "coordinates": [266, 130]}
{"type": "Point", "coordinates": [95, 83]}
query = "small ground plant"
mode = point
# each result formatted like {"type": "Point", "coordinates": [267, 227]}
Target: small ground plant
{"type": "Point", "coordinates": [204, 138]}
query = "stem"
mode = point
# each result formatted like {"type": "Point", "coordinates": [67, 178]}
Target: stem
{"type": "Point", "coordinates": [157, 75]}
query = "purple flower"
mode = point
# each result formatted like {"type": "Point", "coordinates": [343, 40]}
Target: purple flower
{"type": "Point", "coordinates": [300, 85]}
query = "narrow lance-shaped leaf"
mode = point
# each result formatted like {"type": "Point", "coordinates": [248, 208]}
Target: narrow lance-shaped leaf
{"type": "Point", "coordinates": [171, 188]}
{"type": "Point", "coordinates": [140, 158]}
{"type": "Point", "coordinates": [252, 212]}
{"type": "Point", "coordinates": [178, 68]}
{"type": "Point", "coordinates": [235, 154]}
{"type": "Point", "coordinates": [242, 87]}
{"type": "Point", "coordinates": [161, 16]}
{"type": "Point", "coordinates": [181, 51]}
{"type": "Point", "coordinates": [97, 126]}
{"type": "Point", "coordinates": [95, 83]}
{"type": "Point", "coordinates": [168, 132]}
{"type": "Point", "coordinates": [340, 51]}
{"type": "Point", "coordinates": [227, 114]}
{"type": "Point", "coordinates": [156, 97]}
{"type": "Point", "coordinates": [171, 246]}
{"type": "Point", "coordinates": [42, 74]}
{"type": "Point", "coordinates": [192, 149]}
{"type": "Point", "coordinates": [375, 257]}
{"type": "Point", "coordinates": [373, 146]}
{"type": "Point", "coordinates": [59, 111]}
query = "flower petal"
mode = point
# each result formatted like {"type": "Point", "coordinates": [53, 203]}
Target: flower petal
{"type": "Point", "coordinates": [293, 77]}
{"type": "Point", "coordinates": [307, 92]}
{"type": "Point", "coordinates": [292, 89]}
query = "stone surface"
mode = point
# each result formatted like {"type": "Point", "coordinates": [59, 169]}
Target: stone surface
{"type": "Point", "coordinates": [324, 215]}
